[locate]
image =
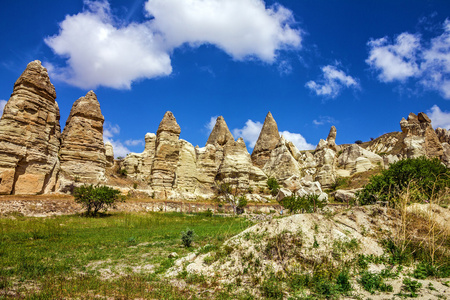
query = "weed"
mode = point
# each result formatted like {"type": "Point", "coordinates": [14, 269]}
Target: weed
{"type": "Point", "coordinates": [411, 287]}
{"type": "Point", "coordinates": [270, 288]}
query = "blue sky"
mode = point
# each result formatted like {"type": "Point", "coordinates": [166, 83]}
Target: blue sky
{"type": "Point", "coordinates": [358, 65]}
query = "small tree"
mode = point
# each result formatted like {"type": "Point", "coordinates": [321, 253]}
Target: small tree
{"type": "Point", "coordinates": [231, 195]}
{"type": "Point", "coordinates": [273, 185]}
{"type": "Point", "coordinates": [96, 198]}
{"type": "Point", "coordinates": [187, 237]}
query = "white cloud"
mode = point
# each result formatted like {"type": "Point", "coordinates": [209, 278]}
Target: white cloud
{"type": "Point", "coordinates": [298, 140]}
{"type": "Point", "coordinates": [439, 118]}
{"type": "Point", "coordinates": [324, 120]}
{"type": "Point", "coordinates": [210, 125]}
{"type": "Point", "coordinates": [2, 106]}
{"type": "Point", "coordinates": [134, 143]}
{"type": "Point", "coordinates": [101, 53]}
{"type": "Point", "coordinates": [412, 57]}
{"type": "Point", "coordinates": [101, 50]}
{"type": "Point", "coordinates": [395, 61]}
{"type": "Point", "coordinates": [332, 82]}
{"type": "Point", "coordinates": [250, 132]}
{"type": "Point", "coordinates": [241, 28]}
{"type": "Point", "coordinates": [109, 131]}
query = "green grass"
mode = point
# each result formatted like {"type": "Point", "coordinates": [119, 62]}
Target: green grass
{"type": "Point", "coordinates": [118, 255]}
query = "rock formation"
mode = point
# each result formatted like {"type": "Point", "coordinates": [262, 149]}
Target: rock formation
{"type": "Point", "coordinates": [281, 163]}
{"type": "Point", "coordinates": [220, 134]}
{"type": "Point", "coordinates": [267, 141]}
{"type": "Point", "coordinates": [355, 159]}
{"type": "Point", "coordinates": [82, 151]}
{"type": "Point", "coordinates": [443, 135]}
{"type": "Point", "coordinates": [419, 137]}
{"type": "Point", "coordinates": [167, 153]}
{"type": "Point", "coordinates": [109, 154]}
{"type": "Point", "coordinates": [30, 135]}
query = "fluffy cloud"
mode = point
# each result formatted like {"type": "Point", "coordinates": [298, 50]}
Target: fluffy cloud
{"type": "Point", "coordinates": [241, 28]}
{"type": "Point", "coordinates": [395, 61]}
{"type": "Point", "coordinates": [332, 82]}
{"type": "Point", "coordinates": [250, 132]}
{"type": "Point", "coordinates": [439, 118]}
{"type": "Point", "coordinates": [101, 53]}
{"type": "Point", "coordinates": [101, 50]}
{"type": "Point", "coordinates": [2, 106]}
{"type": "Point", "coordinates": [109, 131]}
{"type": "Point", "coordinates": [409, 56]}
{"type": "Point", "coordinates": [298, 140]}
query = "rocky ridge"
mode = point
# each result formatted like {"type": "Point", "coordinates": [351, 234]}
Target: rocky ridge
{"type": "Point", "coordinates": [36, 158]}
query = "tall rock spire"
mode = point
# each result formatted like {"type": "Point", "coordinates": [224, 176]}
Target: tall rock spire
{"type": "Point", "coordinates": [267, 141]}
{"type": "Point", "coordinates": [220, 134]}
{"type": "Point", "coordinates": [82, 149]}
{"type": "Point", "coordinates": [30, 135]}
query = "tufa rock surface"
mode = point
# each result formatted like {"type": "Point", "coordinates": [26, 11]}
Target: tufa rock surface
{"type": "Point", "coordinates": [83, 152]}
{"type": "Point", "coordinates": [267, 141]}
{"type": "Point", "coordinates": [30, 135]}
{"type": "Point", "coordinates": [220, 134]}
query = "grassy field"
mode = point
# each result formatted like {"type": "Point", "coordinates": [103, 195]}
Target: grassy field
{"type": "Point", "coordinates": [120, 255]}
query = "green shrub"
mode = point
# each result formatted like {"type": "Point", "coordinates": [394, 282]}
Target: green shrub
{"type": "Point", "coordinates": [96, 198]}
{"type": "Point", "coordinates": [187, 237]}
{"type": "Point", "coordinates": [372, 282]}
{"type": "Point", "coordinates": [411, 287]}
{"type": "Point", "coordinates": [122, 172]}
{"type": "Point", "coordinates": [308, 203]}
{"type": "Point", "coordinates": [428, 176]}
{"type": "Point", "coordinates": [343, 282]}
{"type": "Point", "coordinates": [273, 186]}
{"type": "Point", "coordinates": [271, 288]}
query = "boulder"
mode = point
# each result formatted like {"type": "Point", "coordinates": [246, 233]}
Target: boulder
{"type": "Point", "coordinates": [220, 134]}
{"type": "Point", "coordinates": [283, 193]}
{"type": "Point", "coordinates": [83, 153]}
{"type": "Point", "coordinates": [30, 135]}
{"type": "Point", "coordinates": [267, 141]}
{"type": "Point", "coordinates": [345, 195]}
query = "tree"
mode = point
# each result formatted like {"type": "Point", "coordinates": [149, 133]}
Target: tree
{"type": "Point", "coordinates": [96, 198]}
{"type": "Point", "coordinates": [232, 196]}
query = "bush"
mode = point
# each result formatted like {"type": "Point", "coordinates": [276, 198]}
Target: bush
{"type": "Point", "coordinates": [428, 176]}
{"type": "Point", "coordinates": [273, 186]}
{"type": "Point", "coordinates": [358, 142]}
{"type": "Point", "coordinates": [308, 203]}
{"type": "Point", "coordinates": [96, 198]}
{"type": "Point", "coordinates": [372, 282]}
{"type": "Point", "coordinates": [187, 237]}
{"type": "Point", "coordinates": [123, 172]}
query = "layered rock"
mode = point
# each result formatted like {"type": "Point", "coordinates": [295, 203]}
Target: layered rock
{"type": "Point", "coordinates": [443, 135]}
{"type": "Point", "coordinates": [30, 135]}
{"type": "Point", "coordinates": [237, 168]}
{"type": "Point", "coordinates": [167, 151]}
{"type": "Point", "coordinates": [281, 163]}
{"type": "Point", "coordinates": [220, 135]}
{"type": "Point", "coordinates": [419, 137]}
{"type": "Point", "coordinates": [267, 141]}
{"type": "Point", "coordinates": [355, 159]}
{"type": "Point", "coordinates": [109, 154]}
{"type": "Point", "coordinates": [82, 151]}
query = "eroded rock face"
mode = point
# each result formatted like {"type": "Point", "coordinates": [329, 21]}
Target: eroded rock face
{"type": "Point", "coordinates": [355, 159]}
{"type": "Point", "coordinates": [443, 135]}
{"type": "Point", "coordinates": [419, 137]}
{"type": "Point", "coordinates": [267, 141]}
{"type": "Point", "coordinates": [220, 134]}
{"type": "Point", "coordinates": [167, 153]}
{"type": "Point", "coordinates": [30, 135]}
{"type": "Point", "coordinates": [109, 154]}
{"type": "Point", "coordinates": [281, 164]}
{"type": "Point", "coordinates": [83, 152]}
